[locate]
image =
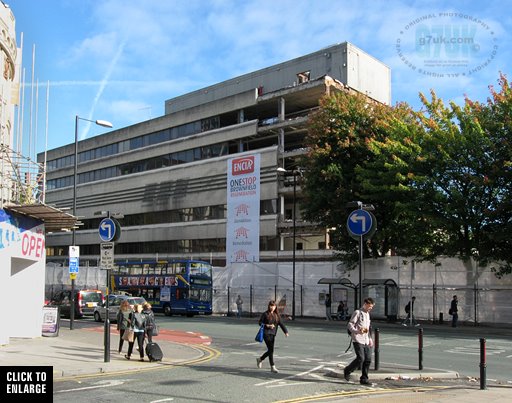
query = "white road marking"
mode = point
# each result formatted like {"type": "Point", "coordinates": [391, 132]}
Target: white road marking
{"type": "Point", "coordinates": [99, 384]}
{"type": "Point", "coordinates": [288, 384]}
{"type": "Point", "coordinates": [162, 400]}
{"type": "Point", "coordinates": [276, 381]}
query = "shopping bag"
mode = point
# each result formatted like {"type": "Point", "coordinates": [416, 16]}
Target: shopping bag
{"type": "Point", "coordinates": [129, 335]}
{"type": "Point", "coordinates": [259, 335]}
{"type": "Point", "coordinates": [155, 330]}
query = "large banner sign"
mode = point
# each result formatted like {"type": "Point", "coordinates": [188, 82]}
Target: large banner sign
{"type": "Point", "coordinates": [22, 237]}
{"type": "Point", "coordinates": [243, 216]}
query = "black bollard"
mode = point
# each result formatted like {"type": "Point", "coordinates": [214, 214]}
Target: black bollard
{"type": "Point", "coordinates": [440, 318]}
{"type": "Point", "coordinates": [420, 348]}
{"type": "Point", "coordinates": [483, 365]}
{"type": "Point", "coordinates": [377, 350]}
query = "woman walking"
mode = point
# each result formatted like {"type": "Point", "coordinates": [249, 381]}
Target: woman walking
{"type": "Point", "coordinates": [123, 321]}
{"type": "Point", "coordinates": [150, 321]}
{"type": "Point", "coordinates": [138, 323]}
{"type": "Point", "coordinates": [271, 320]}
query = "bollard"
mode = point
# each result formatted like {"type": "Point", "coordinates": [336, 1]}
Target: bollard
{"type": "Point", "coordinates": [483, 365]}
{"type": "Point", "coordinates": [377, 350]}
{"type": "Point", "coordinates": [420, 348]}
{"type": "Point", "coordinates": [440, 318]}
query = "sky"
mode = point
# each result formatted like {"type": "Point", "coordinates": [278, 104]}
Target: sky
{"type": "Point", "coordinates": [120, 60]}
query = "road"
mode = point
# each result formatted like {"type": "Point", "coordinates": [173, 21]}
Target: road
{"type": "Point", "coordinates": [231, 375]}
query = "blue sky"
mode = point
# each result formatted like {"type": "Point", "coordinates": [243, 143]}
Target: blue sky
{"type": "Point", "coordinates": [119, 60]}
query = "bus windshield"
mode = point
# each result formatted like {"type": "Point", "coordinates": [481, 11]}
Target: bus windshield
{"type": "Point", "coordinates": [199, 268]}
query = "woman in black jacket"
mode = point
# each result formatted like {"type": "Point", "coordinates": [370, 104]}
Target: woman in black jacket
{"type": "Point", "coordinates": [271, 320]}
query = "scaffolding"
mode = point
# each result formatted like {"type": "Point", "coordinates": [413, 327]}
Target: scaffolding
{"type": "Point", "coordinates": [22, 180]}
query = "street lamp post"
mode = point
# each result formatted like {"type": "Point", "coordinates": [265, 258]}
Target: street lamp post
{"type": "Point", "coordinates": [103, 123]}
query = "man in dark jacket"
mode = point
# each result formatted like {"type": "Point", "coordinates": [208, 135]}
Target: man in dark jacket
{"type": "Point", "coordinates": [454, 311]}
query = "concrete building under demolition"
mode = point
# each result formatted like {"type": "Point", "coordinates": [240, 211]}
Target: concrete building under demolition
{"type": "Point", "coordinates": [172, 179]}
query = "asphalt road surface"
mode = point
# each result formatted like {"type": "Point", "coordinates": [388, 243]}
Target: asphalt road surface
{"type": "Point", "coordinates": [229, 374]}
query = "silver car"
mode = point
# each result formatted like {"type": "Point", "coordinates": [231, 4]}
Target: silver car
{"type": "Point", "coordinates": [114, 303]}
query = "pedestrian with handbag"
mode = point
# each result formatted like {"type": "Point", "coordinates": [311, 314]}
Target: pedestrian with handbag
{"type": "Point", "coordinates": [138, 324]}
{"type": "Point", "coordinates": [270, 319]}
{"type": "Point", "coordinates": [123, 322]}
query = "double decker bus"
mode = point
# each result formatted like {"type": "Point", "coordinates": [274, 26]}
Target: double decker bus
{"type": "Point", "coordinates": [182, 287]}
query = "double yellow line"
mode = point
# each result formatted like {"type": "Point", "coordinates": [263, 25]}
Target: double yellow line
{"type": "Point", "coordinates": [361, 392]}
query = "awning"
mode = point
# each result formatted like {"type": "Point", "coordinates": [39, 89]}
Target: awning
{"type": "Point", "coordinates": [53, 218]}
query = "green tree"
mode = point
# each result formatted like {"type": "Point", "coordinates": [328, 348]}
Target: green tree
{"type": "Point", "coordinates": [339, 137]}
{"type": "Point", "coordinates": [440, 179]}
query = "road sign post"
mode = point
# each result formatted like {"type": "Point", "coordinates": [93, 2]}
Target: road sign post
{"type": "Point", "coordinates": [361, 223]}
{"type": "Point", "coordinates": [74, 263]}
{"type": "Point", "coordinates": [109, 231]}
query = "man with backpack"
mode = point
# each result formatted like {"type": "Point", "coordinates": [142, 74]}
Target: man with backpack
{"type": "Point", "coordinates": [359, 328]}
{"type": "Point", "coordinates": [409, 310]}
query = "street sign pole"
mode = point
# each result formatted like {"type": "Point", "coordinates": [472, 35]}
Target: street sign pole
{"type": "Point", "coordinates": [74, 259]}
{"type": "Point", "coordinates": [106, 263]}
{"type": "Point", "coordinates": [109, 231]}
{"type": "Point", "coordinates": [360, 223]}
{"type": "Point", "coordinates": [360, 300]}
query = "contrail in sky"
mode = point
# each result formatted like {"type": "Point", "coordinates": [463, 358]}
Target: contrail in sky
{"type": "Point", "coordinates": [103, 84]}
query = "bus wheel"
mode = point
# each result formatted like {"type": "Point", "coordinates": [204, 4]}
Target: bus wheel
{"type": "Point", "coordinates": [167, 310]}
{"type": "Point", "coordinates": [190, 315]}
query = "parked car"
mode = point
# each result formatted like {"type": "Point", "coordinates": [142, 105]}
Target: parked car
{"type": "Point", "coordinates": [113, 306]}
{"type": "Point", "coordinates": [85, 302]}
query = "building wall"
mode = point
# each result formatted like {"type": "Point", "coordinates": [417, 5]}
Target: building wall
{"type": "Point", "coordinates": [262, 112]}
{"type": "Point", "coordinates": [22, 275]}
{"type": "Point", "coordinates": [343, 62]}
{"type": "Point", "coordinates": [10, 61]}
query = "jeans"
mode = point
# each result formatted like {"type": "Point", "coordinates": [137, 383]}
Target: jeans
{"type": "Point", "coordinates": [455, 318]}
{"type": "Point", "coordinates": [140, 340]}
{"type": "Point", "coordinates": [363, 358]}
{"type": "Point", "coordinates": [269, 340]}
{"type": "Point", "coordinates": [121, 341]}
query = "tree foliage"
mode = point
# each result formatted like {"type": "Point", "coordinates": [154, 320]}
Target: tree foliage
{"type": "Point", "coordinates": [439, 178]}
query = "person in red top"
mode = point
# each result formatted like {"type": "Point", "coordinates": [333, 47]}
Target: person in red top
{"type": "Point", "coordinates": [271, 319]}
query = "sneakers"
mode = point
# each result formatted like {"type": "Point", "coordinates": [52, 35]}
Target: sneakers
{"type": "Point", "coordinates": [258, 362]}
{"type": "Point", "coordinates": [274, 369]}
{"type": "Point", "coordinates": [127, 356]}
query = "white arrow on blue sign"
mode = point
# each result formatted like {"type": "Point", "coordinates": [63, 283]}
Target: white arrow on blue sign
{"type": "Point", "coordinates": [107, 229]}
{"type": "Point", "coordinates": [359, 222]}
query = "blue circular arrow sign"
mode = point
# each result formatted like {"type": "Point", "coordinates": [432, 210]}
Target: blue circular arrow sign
{"type": "Point", "coordinates": [107, 229]}
{"type": "Point", "coordinates": [359, 222]}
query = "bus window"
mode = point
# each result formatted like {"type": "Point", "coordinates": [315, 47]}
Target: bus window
{"type": "Point", "coordinates": [200, 268]}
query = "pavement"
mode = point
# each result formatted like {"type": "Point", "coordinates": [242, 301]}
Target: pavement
{"type": "Point", "coordinates": [80, 353]}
